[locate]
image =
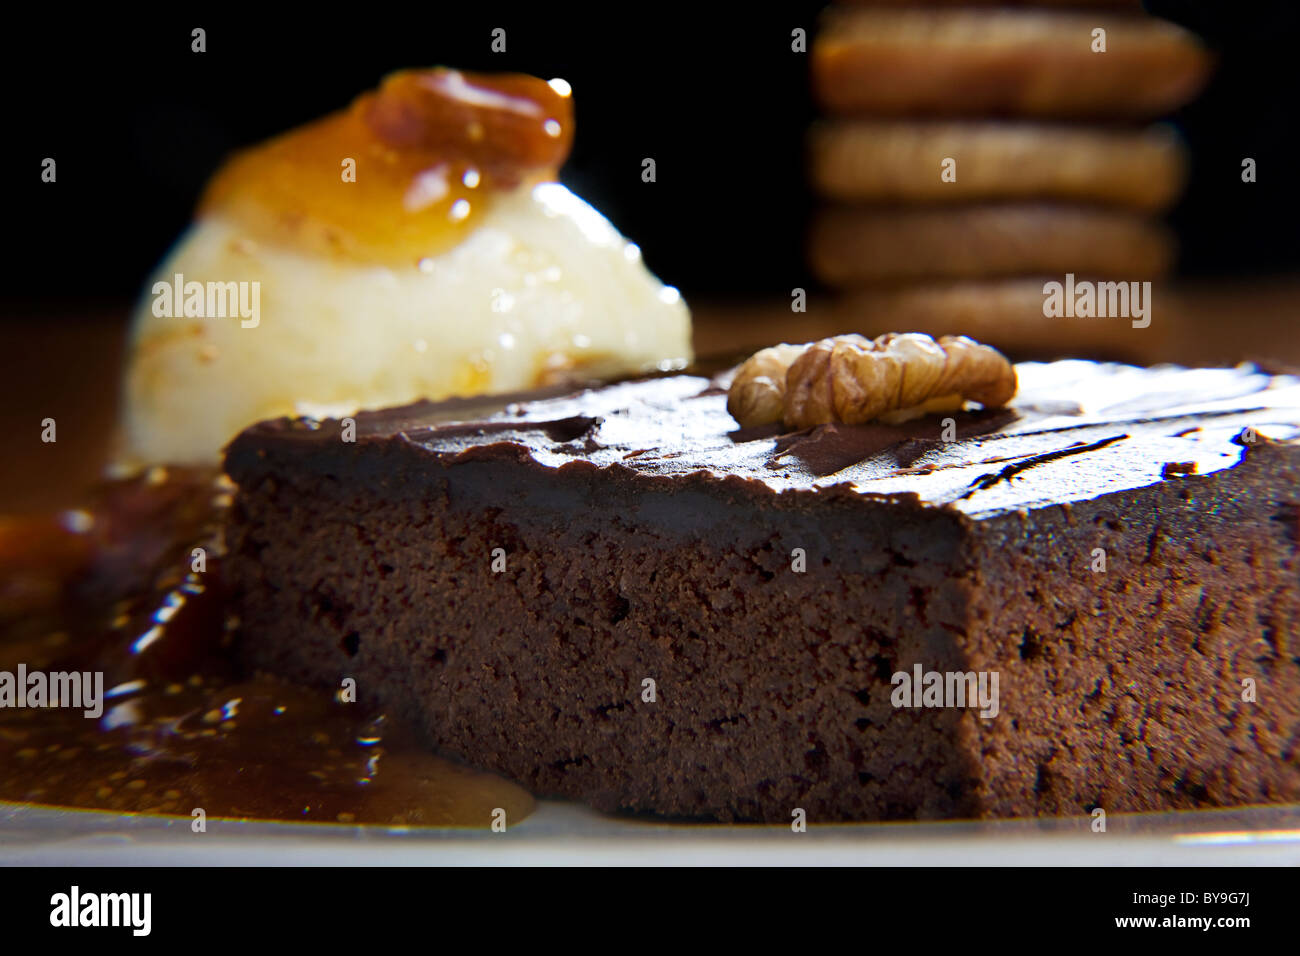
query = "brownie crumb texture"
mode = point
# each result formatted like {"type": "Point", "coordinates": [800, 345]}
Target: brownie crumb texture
{"type": "Point", "coordinates": [738, 666]}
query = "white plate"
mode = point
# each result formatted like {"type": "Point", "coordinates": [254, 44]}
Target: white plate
{"type": "Point", "coordinates": [563, 834]}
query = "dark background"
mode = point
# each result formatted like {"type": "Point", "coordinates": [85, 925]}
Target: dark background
{"type": "Point", "coordinates": [137, 123]}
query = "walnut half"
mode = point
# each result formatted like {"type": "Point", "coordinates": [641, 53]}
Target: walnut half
{"type": "Point", "coordinates": [853, 379]}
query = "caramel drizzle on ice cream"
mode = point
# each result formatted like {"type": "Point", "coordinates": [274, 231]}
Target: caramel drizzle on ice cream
{"type": "Point", "coordinates": [429, 149]}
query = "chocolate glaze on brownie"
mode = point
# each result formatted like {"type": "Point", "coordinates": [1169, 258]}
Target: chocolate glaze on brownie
{"type": "Point", "coordinates": [645, 536]}
{"type": "Point", "coordinates": [1116, 429]}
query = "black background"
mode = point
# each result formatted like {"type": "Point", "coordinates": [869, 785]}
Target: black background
{"type": "Point", "coordinates": [357, 908]}
{"type": "Point", "coordinates": [137, 123]}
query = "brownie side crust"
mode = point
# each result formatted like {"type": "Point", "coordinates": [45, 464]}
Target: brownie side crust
{"type": "Point", "coordinates": [772, 685]}
{"type": "Point", "coordinates": [1123, 689]}
{"type": "Point", "coordinates": [538, 671]}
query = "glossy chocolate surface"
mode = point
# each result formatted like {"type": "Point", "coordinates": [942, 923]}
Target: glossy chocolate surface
{"type": "Point", "coordinates": [1076, 430]}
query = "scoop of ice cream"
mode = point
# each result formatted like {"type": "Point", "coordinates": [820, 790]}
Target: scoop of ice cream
{"type": "Point", "coordinates": [409, 247]}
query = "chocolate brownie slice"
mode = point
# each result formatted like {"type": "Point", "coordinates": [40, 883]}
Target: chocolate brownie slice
{"type": "Point", "coordinates": [618, 596]}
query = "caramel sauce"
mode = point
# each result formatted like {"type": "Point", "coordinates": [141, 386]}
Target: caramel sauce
{"type": "Point", "coordinates": [431, 149]}
{"type": "Point", "coordinates": [114, 589]}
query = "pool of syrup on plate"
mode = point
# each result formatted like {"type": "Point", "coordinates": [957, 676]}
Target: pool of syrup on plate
{"type": "Point", "coordinates": [131, 587]}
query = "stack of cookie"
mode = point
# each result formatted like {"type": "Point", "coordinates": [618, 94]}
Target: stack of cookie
{"type": "Point", "coordinates": [975, 153]}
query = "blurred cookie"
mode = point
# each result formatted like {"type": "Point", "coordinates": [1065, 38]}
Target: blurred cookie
{"type": "Point", "coordinates": [902, 161]}
{"type": "Point", "coordinates": [1022, 62]}
{"type": "Point", "coordinates": [1007, 314]}
{"type": "Point", "coordinates": [1055, 4]}
{"type": "Point", "coordinates": [857, 246]}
